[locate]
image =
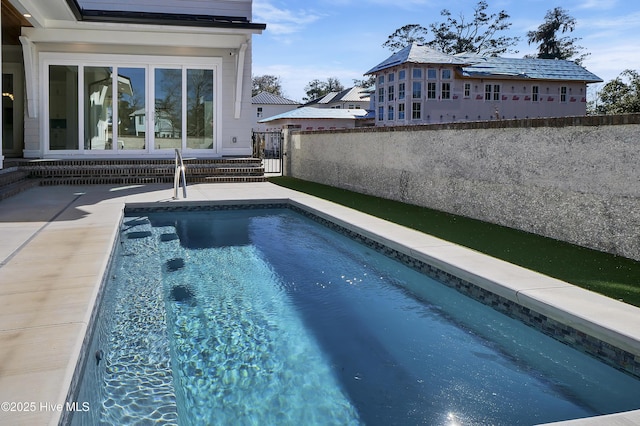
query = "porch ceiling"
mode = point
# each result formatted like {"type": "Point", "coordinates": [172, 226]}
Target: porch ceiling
{"type": "Point", "coordinates": [12, 21]}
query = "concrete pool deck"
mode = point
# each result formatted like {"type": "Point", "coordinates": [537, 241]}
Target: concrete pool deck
{"type": "Point", "coordinates": [55, 246]}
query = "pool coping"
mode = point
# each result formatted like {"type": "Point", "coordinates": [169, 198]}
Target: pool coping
{"type": "Point", "coordinates": [101, 210]}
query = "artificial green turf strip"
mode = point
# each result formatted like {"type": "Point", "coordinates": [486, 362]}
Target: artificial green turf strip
{"type": "Point", "coordinates": [613, 276]}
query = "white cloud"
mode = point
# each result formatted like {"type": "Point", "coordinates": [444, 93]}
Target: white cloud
{"type": "Point", "coordinates": [282, 21]}
{"type": "Point", "coordinates": [598, 4]}
{"type": "Point", "coordinates": [620, 23]}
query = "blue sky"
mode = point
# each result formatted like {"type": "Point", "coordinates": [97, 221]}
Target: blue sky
{"type": "Point", "coordinates": [343, 38]}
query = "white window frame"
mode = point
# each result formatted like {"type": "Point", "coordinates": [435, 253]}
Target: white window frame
{"type": "Point", "coordinates": [535, 93]}
{"type": "Point", "coordinates": [432, 90]}
{"type": "Point", "coordinates": [401, 91]}
{"type": "Point", "coordinates": [563, 94]}
{"type": "Point", "coordinates": [401, 111]}
{"type": "Point", "coordinates": [445, 90]}
{"type": "Point", "coordinates": [147, 62]}
{"type": "Point", "coordinates": [467, 90]}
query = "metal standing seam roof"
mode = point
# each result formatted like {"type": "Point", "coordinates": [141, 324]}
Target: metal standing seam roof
{"type": "Point", "coordinates": [419, 54]}
{"type": "Point", "coordinates": [267, 98]}
{"type": "Point", "coordinates": [353, 94]}
{"type": "Point", "coordinates": [529, 68]}
{"type": "Point", "coordinates": [317, 113]}
{"type": "Point", "coordinates": [471, 65]}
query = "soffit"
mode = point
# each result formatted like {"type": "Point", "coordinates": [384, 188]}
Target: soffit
{"type": "Point", "coordinates": [12, 22]}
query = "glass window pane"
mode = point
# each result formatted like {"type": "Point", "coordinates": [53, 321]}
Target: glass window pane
{"type": "Point", "coordinates": [63, 107]}
{"type": "Point", "coordinates": [132, 125]}
{"type": "Point", "coordinates": [7, 112]}
{"type": "Point", "coordinates": [98, 108]}
{"type": "Point", "coordinates": [168, 108]}
{"type": "Point", "coordinates": [200, 109]}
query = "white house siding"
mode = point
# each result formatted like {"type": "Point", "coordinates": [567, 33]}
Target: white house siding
{"type": "Point", "coordinates": [515, 99]}
{"type": "Point", "coordinates": [269, 111]}
{"type": "Point", "coordinates": [117, 39]}
{"type": "Point", "coordinates": [238, 128]}
{"type": "Point", "coordinates": [313, 124]}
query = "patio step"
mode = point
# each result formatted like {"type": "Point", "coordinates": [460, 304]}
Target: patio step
{"type": "Point", "coordinates": [139, 171]}
{"type": "Point", "coordinates": [13, 181]}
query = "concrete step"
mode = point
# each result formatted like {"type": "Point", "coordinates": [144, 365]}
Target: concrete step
{"type": "Point", "coordinates": [141, 171]}
{"type": "Point", "coordinates": [13, 182]}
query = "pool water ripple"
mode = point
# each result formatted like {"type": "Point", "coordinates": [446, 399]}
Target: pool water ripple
{"type": "Point", "coordinates": [268, 318]}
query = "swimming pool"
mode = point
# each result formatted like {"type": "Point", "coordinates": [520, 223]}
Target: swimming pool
{"type": "Point", "coordinates": [266, 317]}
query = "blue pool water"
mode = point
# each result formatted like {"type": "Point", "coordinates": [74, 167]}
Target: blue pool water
{"type": "Point", "coordinates": [265, 317]}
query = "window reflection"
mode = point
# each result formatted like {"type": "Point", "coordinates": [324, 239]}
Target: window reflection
{"type": "Point", "coordinates": [199, 109]}
{"type": "Point", "coordinates": [132, 116]}
{"type": "Point", "coordinates": [168, 108]}
{"type": "Point", "coordinates": [63, 107]}
{"type": "Point", "coordinates": [98, 112]}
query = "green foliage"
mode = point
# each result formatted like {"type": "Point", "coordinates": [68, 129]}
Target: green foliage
{"type": "Point", "coordinates": [316, 88]}
{"type": "Point", "coordinates": [480, 35]}
{"type": "Point", "coordinates": [459, 35]}
{"type": "Point", "coordinates": [406, 35]}
{"type": "Point", "coordinates": [366, 83]}
{"type": "Point", "coordinates": [266, 83]}
{"type": "Point", "coordinates": [620, 95]}
{"type": "Point", "coordinates": [550, 45]}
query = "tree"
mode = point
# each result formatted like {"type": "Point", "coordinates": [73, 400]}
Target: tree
{"type": "Point", "coordinates": [476, 36]}
{"type": "Point", "coordinates": [366, 83]}
{"type": "Point", "coordinates": [551, 46]}
{"type": "Point", "coordinates": [620, 95]}
{"type": "Point", "coordinates": [334, 85]}
{"type": "Point", "coordinates": [316, 89]}
{"type": "Point", "coordinates": [404, 36]}
{"type": "Point", "coordinates": [266, 83]}
{"type": "Point", "coordinates": [458, 35]}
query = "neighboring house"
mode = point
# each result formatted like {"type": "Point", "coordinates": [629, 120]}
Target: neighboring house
{"type": "Point", "coordinates": [180, 71]}
{"type": "Point", "coordinates": [420, 85]}
{"type": "Point", "coordinates": [267, 104]}
{"type": "Point", "coordinates": [352, 98]}
{"type": "Point", "coordinates": [310, 118]}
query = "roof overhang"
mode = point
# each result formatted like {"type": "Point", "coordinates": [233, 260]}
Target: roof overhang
{"type": "Point", "coordinates": [154, 18]}
{"type": "Point", "coordinates": [61, 13]}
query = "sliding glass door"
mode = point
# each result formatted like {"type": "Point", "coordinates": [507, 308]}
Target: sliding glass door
{"type": "Point", "coordinates": [199, 109]}
{"type": "Point", "coordinates": [63, 107]}
{"type": "Point", "coordinates": [184, 109]}
{"type": "Point", "coordinates": [132, 109]}
{"type": "Point", "coordinates": [167, 122]}
{"type": "Point", "coordinates": [107, 107]}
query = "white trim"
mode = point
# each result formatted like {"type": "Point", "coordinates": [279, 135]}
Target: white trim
{"type": "Point", "coordinates": [111, 34]}
{"type": "Point", "coordinates": [30, 75]}
{"type": "Point", "coordinates": [149, 64]}
{"type": "Point", "coordinates": [239, 80]}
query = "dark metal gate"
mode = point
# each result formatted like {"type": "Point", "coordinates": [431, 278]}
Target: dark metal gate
{"type": "Point", "coordinates": [268, 147]}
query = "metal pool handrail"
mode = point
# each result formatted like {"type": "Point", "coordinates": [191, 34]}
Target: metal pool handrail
{"type": "Point", "coordinates": [176, 177]}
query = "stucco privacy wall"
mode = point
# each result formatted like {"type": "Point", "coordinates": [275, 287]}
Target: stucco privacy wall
{"type": "Point", "coordinates": [575, 179]}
